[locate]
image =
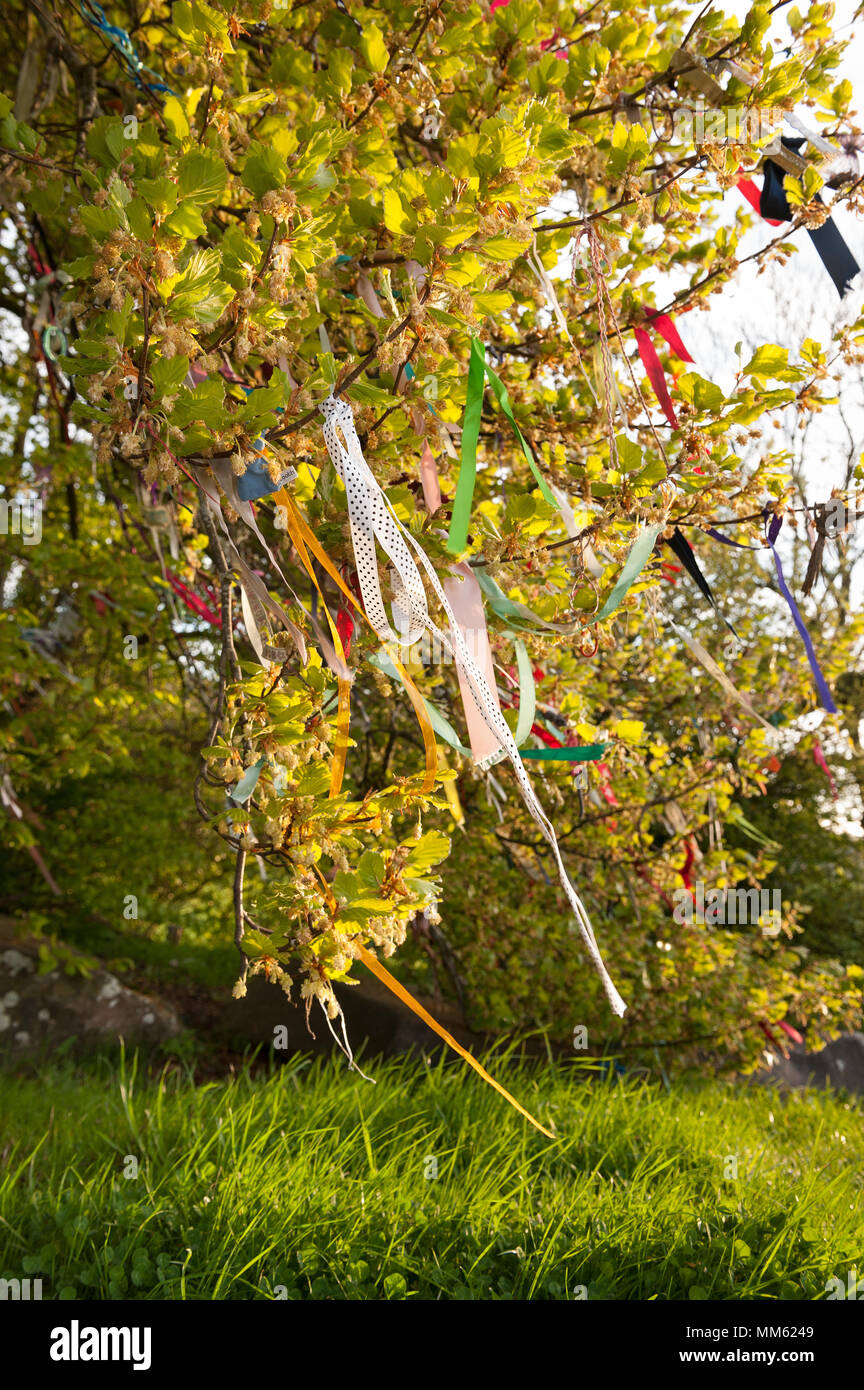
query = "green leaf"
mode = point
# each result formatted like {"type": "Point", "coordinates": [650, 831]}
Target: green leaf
{"type": "Point", "coordinates": [768, 361]}
{"type": "Point", "coordinates": [703, 394]}
{"type": "Point", "coordinates": [160, 193]}
{"type": "Point", "coordinates": [100, 221]}
{"type": "Point", "coordinates": [396, 217]}
{"type": "Point", "coordinates": [373, 48]}
{"type": "Point", "coordinates": [201, 177]}
{"type": "Point", "coordinates": [204, 404]}
{"type": "Point", "coordinates": [429, 850]}
{"type": "Point", "coordinates": [186, 221]}
{"type": "Point", "coordinates": [175, 117]}
{"type": "Point", "coordinates": [265, 170]}
{"type": "Point", "coordinates": [168, 374]}
{"type": "Point", "coordinates": [138, 217]}
{"type": "Point", "coordinates": [502, 248]}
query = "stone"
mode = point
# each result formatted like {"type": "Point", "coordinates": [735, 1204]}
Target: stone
{"type": "Point", "coordinates": [37, 1012]}
{"type": "Point", "coordinates": [839, 1064]}
{"type": "Point", "coordinates": [376, 1022]}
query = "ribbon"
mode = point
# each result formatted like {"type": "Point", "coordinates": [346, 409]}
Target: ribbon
{"type": "Point", "coordinates": [372, 963]}
{"type": "Point", "coordinates": [478, 370]}
{"type": "Point", "coordinates": [754, 198]}
{"type": "Point", "coordinates": [588, 753]}
{"type": "Point", "coordinates": [652, 364]}
{"type": "Point", "coordinates": [457, 537]}
{"type": "Point", "coordinates": [636, 560]}
{"type": "Point", "coordinates": [819, 760]}
{"type": "Point", "coordinates": [684, 551]}
{"type": "Point", "coordinates": [830, 246]}
{"type": "Point", "coordinates": [343, 716]}
{"type": "Point", "coordinates": [120, 40]}
{"type": "Point", "coordinates": [191, 600]}
{"type": "Point", "coordinates": [297, 526]}
{"type": "Point", "coordinates": [544, 280]}
{"type": "Point", "coordinates": [371, 518]}
{"type": "Point", "coordinates": [825, 697]}
{"type": "Point", "coordinates": [466, 603]}
{"type": "Point", "coordinates": [705, 659]}
{"type": "Point", "coordinates": [666, 328]}
{"type": "Point", "coordinates": [429, 479]}
{"type": "Point", "coordinates": [515, 614]}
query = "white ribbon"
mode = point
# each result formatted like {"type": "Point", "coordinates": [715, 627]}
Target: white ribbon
{"type": "Point", "coordinates": [372, 518]}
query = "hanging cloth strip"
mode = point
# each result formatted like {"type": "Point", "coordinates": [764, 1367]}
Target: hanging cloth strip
{"type": "Point", "coordinates": [682, 548]}
{"type": "Point", "coordinates": [640, 552]}
{"type": "Point", "coordinates": [772, 530]}
{"type": "Point", "coordinates": [588, 753]}
{"type": "Point", "coordinates": [466, 603]}
{"type": "Point", "coordinates": [652, 364]}
{"type": "Point", "coordinates": [832, 249]}
{"type": "Point", "coordinates": [370, 518]}
{"type": "Point", "coordinates": [383, 974]}
{"type": "Point", "coordinates": [298, 527]}
{"type": "Point", "coordinates": [478, 371]}
{"type": "Point", "coordinates": [120, 40]}
{"type": "Point", "coordinates": [753, 194]}
{"type": "Point", "coordinates": [705, 659]}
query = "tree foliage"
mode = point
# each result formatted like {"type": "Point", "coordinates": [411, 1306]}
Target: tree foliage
{"type": "Point", "coordinates": [218, 219]}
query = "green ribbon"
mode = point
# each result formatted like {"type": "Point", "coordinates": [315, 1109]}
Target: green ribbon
{"type": "Point", "coordinates": [587, 754]}
{"type": "Point", "coordinates": [478, 371]}
{"type": "Point", "coordinates": [516, 615]}
{"type": "Point", "coordinates": [247, 784]}
{"type": "Point", "coordinates": [527, 693]}
{"type": "Point", "coordinates": [636, 561]}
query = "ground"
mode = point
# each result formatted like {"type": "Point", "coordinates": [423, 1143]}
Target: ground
{"type": "Point", "coordinates": [305, 1181]}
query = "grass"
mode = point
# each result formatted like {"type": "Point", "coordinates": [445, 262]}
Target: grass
{"type": "Point", "coordinates": [309, 1183]}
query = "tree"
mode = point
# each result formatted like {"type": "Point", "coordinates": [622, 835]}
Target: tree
{"type": "Point", "coordinates": [218, 217]}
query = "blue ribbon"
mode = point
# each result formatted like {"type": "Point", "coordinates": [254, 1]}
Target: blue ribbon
{"type": "Point", "coordinates": [119, 39]}
{"type": "Point", "coordinates": [772, 530]}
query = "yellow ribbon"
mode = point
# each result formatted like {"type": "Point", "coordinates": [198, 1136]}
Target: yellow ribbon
{"type": "Point", "coordinates": [394, 986]}
{"type": "Point", "coordinates": [303, 537]}
{"type": "Point", "coordinates": [343, 715]}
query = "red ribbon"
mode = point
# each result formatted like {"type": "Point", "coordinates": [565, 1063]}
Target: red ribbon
{"type": "Point", "coordinates": [754, 197]}
{"type": "Point", "coordinates": [666, 328]}
{"type": "Point", "coordinates": [819, 760]}
{"type": "Point", "coordinates": [656, 375]}
{"type": "Point", "coordinates": [790, 1031]}
{"type": "Point", "coordinates": [191, 600]}
{"type": "Point", "coordinates": [345, 628]}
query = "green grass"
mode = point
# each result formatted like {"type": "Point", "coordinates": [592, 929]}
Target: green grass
{"type": "Point", "coordinates": [310, 1183]}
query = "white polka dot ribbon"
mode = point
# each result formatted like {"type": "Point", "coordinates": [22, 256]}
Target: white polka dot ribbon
{"type": "Point", "coordinates": [372, 518]}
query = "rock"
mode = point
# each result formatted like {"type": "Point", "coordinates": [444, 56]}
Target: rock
{"type": "Point", "coordinates": [37, 1012]}
{"type": "Point", "coordinates": [840, 1064]}
{"type": "Point", "coordinates": [374, 1019]}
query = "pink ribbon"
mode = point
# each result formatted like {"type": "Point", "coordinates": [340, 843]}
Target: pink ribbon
{"type": "Point", "coordinates": [466, 600]}
{"type": "Point", "coordinates": [429, 479]}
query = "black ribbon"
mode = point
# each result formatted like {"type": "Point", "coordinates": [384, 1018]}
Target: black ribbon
{"type": "Point", "coordinates": [684, 552]}
{"type": "Point", "coordinates": [832, 249]}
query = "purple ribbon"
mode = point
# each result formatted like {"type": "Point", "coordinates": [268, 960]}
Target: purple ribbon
{"type": "Point", "coordinates": [773, 530]}
{"type": "Point", "coordinates": [718, 536]}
